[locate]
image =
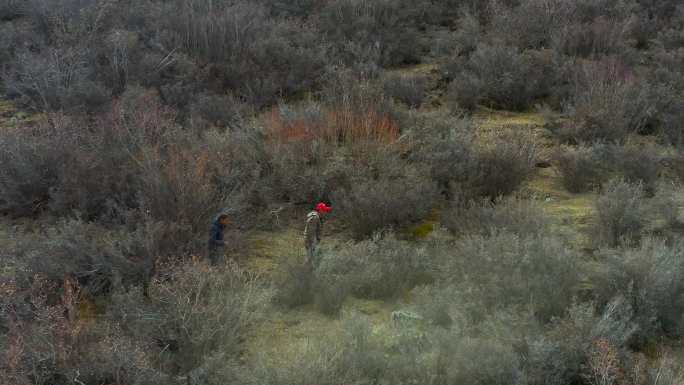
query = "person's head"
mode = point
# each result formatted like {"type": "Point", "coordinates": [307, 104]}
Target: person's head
{"type": "Point", "coordinates": [224, 219]}
{"type": "Point", "coordinates": [323, 209]}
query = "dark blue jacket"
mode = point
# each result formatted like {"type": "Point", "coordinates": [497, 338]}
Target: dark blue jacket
{"type": "Point", "coordinates": [216, 235]}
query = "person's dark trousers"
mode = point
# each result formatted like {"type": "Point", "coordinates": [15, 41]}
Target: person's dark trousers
{"type": "Point", "coordinates": [216, 256]}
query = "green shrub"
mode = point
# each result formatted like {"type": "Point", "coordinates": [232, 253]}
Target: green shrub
{"type": "Point", "coordinates": [394, 198]}
{"type": "Point", "coordinates": [609, 104]}
{"type": "Point", "coordinates": [636, 165]}
{"type": "Point", "coordinates": [204, 311]}
{"type": "Point", "coordinates": [676, 163]}
{"type": "Point", "coordinates": [561, 353]}
{"type": "Point", "coordinates": [539, 273]}
{"type": "Point", "coordinates": [383, 30]}
{"type": "Point", "coordinates": [501, 76]}
{"type": "Point", "coordinates": [582, 168]}
{"type": "Point", "coordinates": [471, 170]}
{"type": "Point", "coordinates": [98, 257]}
{"type": "Point", "coordinates": [649, 279]}
{"type": "Point", "coordinates": [260, 59]}
{"type": "Point", "coordinates": [376, 268]}
{"type": "Point", "coordinates": [295, 286]}
{"type": "Point", "coordinates": [486, 218]}
{"type": "Point", "coordinates": [481, 361]}
{"type": "Point", "coordinates": [503, 164]}
{"type": "Point", "coordinates": [389, 267]}
{"type": "Point", "coordinates": [221, 111]}
{"type": "Point", "coordinates": [348, 356]}
{"type": "Point", "coordinates": [620, 213]}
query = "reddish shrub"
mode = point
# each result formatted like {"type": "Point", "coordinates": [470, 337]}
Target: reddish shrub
{"type": "Point", "coordinates": [339, 126]}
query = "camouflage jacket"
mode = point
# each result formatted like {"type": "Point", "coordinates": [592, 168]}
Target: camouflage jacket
{"type": "Point", "coordinates": [312, 231]}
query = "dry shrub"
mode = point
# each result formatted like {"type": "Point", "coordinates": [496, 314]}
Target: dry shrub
{"type": "Point", "coordinates": [506, 270]}
{"type": "Point", "coordinates": [377, 268]}
{"type": "Point", "coordinates": [178, 188]}
{"type": "Point", "coordinates": [471, 168]}
{"type": "Point", "coordinates": [501, 76]}
{"type": "Point", "coordinates": [48, 343]}
{"type": "Point", "coordinates": [519, 216]}
{"type": "Point", "coordinates": [409, 90]}
{"type": "Point", "coordinates": [503, 164]}
{"type": "Point", "coordinates": [582, 168]}
{"type": "Point", "coordinates": [343, 125]}
{"type": "Point", "coordinates": [621, 209]}
{"type": "Point", "coordinates": [205, 310]}
{"type": "Point", "coordinates": [100, 258]}
{"type": "Point", "coordinates": [647, 277]}
{"type": "Point", "coordinates": [610, 102]}
{"type": "Point", "coordinates": [371, 205]}
{"type": "Point", "coordinates": [30, 170]}
{"type": "Point", "coordinates": [603, 364]}
{"type": "Point", "coordinates": [676, 165]}
{"type": "Point", "coordinates": [258, 57]}
{"type": "Point", "coordinates": [318, 148]}
{"type": "Point", "coordinates": [294, 286]}
{"type": "Point", "coordinates": [382, 31]}
{"type": "Point", "coordinates": [67, 164]}
{"type": "Point", "coordinates": [352, 111]}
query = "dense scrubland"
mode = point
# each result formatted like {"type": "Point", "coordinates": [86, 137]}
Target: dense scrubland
{"type": "Point", "coordinates": [505, 176]}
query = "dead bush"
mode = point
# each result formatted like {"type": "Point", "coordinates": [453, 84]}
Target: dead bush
{"type": "Point", "coordinates": [409, 90]}
{"type": "Point", "coordinates": [55, 80]}
{"type": "Point", "coordinates": [200, 312]}
{"type": "Point", "coordinates": [30, 170]}
{"type": "Point", "coordinates": [220, 111]}
{"type": "Point", "coordinates": [261, 60]}
{"type": "Point", "coordinates": [50, 343]}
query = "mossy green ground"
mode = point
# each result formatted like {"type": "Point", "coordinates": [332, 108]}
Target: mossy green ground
{"type": "Point", "coordinates": [11, 116]}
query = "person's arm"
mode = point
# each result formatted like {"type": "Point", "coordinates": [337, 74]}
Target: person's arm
{"type": "Point", "coordinates": [319, 224]}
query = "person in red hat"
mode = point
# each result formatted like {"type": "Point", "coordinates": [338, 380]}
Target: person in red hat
{"type": "Point", "coordinates": [312, 231]}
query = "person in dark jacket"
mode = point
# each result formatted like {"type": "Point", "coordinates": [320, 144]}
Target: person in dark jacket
{"type": "Point", "coordinates": [217, 246]}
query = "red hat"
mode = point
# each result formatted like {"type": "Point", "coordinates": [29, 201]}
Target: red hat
{"type": "Point", "coordinates": [323, 208]}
